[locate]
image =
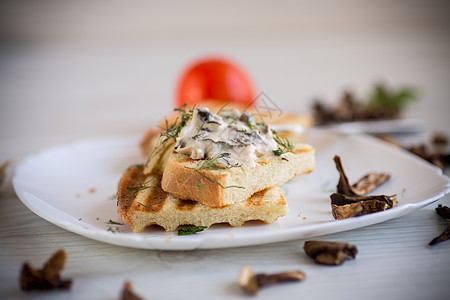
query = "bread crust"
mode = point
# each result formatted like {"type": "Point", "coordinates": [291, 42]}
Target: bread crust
{"type": "Point", "coordinates": [228, 186]}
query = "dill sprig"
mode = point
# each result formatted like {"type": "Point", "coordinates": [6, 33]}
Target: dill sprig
{"type": "Point", "coordinates": [222, 108]}
{"type": "Point", "coordinates": [140, 187]}
{"type": "Point", "coordinates": [111, 222]}
{"type": "Point", "coordinates": [172, 131]}
{"type": "Point", "coordinates": [198, 130]}
{"type": "Point", "coordinates": [190, 230]}
{"type": "Point", "coordinates": [285, 144]}
{"type": "Point", "coordinates": [208, 164]}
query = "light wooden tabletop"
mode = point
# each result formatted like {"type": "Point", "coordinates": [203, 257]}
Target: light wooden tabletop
{"type": "Point", "coordinates": [60, 83]}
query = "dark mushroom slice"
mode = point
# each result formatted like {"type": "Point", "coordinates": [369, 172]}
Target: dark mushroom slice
{"type": "Point", "coordinates": [445, 235]}
{"type": "Point", "coordinates": [444, 212]}
{"type": "Point", "coordinates": [128, 294]}
{"type": "Point", "coordinates": [341, 199]}
{"type": "Point", "coordinates": [251, 282]}
{"type": "Point", "coordinates": [363, 186]}
{"type": "Point", "coordinates": [344, 207]}
{"type": "Point", "coordinates": [330, 253]}
{"type": "Point", "coordinates": [46, 278]}
{"type": "Point", "coordinates": [341, 212]}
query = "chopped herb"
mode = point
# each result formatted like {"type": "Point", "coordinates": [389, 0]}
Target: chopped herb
{"type": "Point", "coordinates": [208, 165]}
{"type": "Point", "coordinates": [250, 125]}
{"type": "Point", "coordinates": [278, 152]}
{"type": "Point", "coordinates": [173, 130]}
{"type": "Point", "coordinates": [142, 204]}
{"type": "Point", "coordinates": [261, 123]}
{"type": "Point", "coordinates": [198, 131]}
{"type": "Point", "coordinates": [140, 187]}
{"type": "Point", "coordinates": [190, 230]}
{"type": "Point", "coordinates": [220, 110]}
{"type": "Point", "coordinates": [112, 222]}
{"type": "Point", "coordinates": [285, 144]}
{"type": "Point", "coordinates": [113, 230]}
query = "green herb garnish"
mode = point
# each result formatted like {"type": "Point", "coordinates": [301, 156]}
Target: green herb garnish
{"type": "Point", "coordinates": [261, 123]}
{"type": "Point", "coordinates": [198, 130]}
{"type": "Point", "coordinates": [111, 222]}
{"type": "Point", "coordinates": [172, 131]}
{"type": "Point", "coordinates": [113, 230]}
{"type": "Point", "coordinates": [190, 230]}
{"type": "Point", "coordinates": [140, 187]}
{"type": "Point", "coordinates": [278, 152]}
{"type": "Point", "coordinates": [285, 144]}
{"type": "Point", "coordinates": [226, 104]}
{"type": "Point", "coordinates": [208, 165]}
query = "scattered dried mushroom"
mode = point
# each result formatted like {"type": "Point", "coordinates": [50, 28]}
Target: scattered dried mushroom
{"type": "Point", "coordinates": [46, 278]}
{"type": "Point", "coordinates": [349, 202]}
{"type": "Point", "coordinates": [444, 212]}
{"type": "Point", "coordinates": [128, 294]}
{"type": "Point", "coordinates": [251, 283]}
{"type": "Point", "coordinates": [382, 103]}
{"type": "Point", "coordinates": [435, 152]}
{"type": "Point", "coordinates": [330, 253]}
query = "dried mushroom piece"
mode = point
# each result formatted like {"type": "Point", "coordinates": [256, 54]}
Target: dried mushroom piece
{"type": "Point", "coordinates": [128, 294]}
{"type": "Point", "coordinates": [445, 235]}
{"type": "Point", "coordinates": [46, 278]}
{"type": "Point", "coordinates": [363, 186]}
{"type": "Point", "coordinates": [347, 211]}
{"type": "Point", "coordinates": [349, 201]}
{"type": "Point", "coordinates": [383, 103]}
{"type": "Point", "coordinates": [340, 199]}
{"type": "Point", "coordinates": [330, 253]}
{"type": "Point", "coordinates": [444, 212]}
{"type": "Point", "coordinates": [344, 207]}
{"type": "Point", "coordinates": [251, 282]}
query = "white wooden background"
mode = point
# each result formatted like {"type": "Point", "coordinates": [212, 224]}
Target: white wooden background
{"type": "Point", "coordinates": [84, 69]}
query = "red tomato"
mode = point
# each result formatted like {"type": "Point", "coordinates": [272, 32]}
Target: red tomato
{"type": "Point", "coordinates": [214, 79]}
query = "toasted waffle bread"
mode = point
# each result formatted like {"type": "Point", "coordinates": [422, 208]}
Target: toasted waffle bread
{"type": "Point", "coordinates": [142, 202]}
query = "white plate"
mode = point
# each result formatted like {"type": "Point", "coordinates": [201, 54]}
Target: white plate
{"type": "Point", "coordinates": [73, 187]}
{"type": "Point", "coordinates": [379, 126]}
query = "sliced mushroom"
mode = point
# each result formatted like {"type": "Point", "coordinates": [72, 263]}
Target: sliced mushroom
{"type": "Point", "coordinates": [46, 278]}
{"type": "Point", "coordinates": [330, 253]}
{"type": "Point", "coordinates": [444, 212]}
{"type": "Point", "coordinates": [363, 186]}
{"type": "Point", "coordinates": [251, 283]}
{"type": "Point", "coordinates": [340, 199]}
{"type": "Point", "coordinates": [128, 294]}
{"type": "Point", "coordinates": [344, 207]}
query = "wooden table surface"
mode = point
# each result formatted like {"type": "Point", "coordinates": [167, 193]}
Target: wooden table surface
{"type": "Point", "coordinates": [60, 87]}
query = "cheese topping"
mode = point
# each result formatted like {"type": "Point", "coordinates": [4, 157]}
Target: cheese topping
{"type": "Point", "coordinates": [235, 135]}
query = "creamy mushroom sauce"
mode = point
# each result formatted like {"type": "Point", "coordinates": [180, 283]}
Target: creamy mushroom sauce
{"type": "Point", "coordinates": [233, 134]}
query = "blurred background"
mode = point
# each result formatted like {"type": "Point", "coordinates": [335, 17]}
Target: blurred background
{"type": "Point", "coordinates": [86, 69]}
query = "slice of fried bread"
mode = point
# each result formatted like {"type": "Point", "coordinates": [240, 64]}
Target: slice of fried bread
{"type": "Point", "coordinates": [183, 177]}
{"type": "Point", "coordinates": [142, 202]}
